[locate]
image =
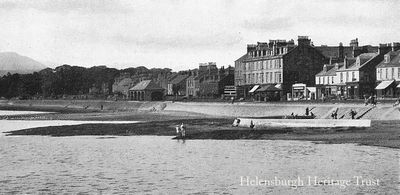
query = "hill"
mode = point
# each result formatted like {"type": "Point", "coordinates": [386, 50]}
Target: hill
{"type": "Point", "coordinates": [15, 63]}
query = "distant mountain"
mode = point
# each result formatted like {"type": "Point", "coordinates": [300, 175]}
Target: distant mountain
{"type": "Point", "coordinates": [15, 63]}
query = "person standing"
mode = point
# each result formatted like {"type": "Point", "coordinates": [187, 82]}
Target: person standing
{"type": "Point", "coordinates": [251, 124]}
{"type": "Point", "coordinates": [178, 130]}
{"type": "Point", "coordinates": [374, 100]}
{"type": "Point", "coordinates": [183, 130]}
{"type": "Point", "coordinates": [307, 111]}
{"type": "Point", "coordinates": [353, 113]}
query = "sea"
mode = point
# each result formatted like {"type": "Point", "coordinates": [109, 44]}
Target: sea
{"type": "Point", "coordinates": [161, 165]}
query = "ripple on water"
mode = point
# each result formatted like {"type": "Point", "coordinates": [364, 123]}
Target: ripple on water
{"type": "Point", "coordinates": [154, 164]}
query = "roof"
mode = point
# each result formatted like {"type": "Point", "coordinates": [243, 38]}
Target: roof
{"type": "Point", "coordinates": [242, 58]}
{"type": "Point", "coordinates": [384, 84]}
{"type": "Point", "coordinates": [255, 87]}
{"type": "Point", "coordinates": [394, 60]}
{"type": "Point", "coordinates": [333, 51]}
{"type": "Point", "coordinates": [125, 81]}
{"type": "Point", "coordinates": [172, 76]}
{"type": "Point", "coordinates": [146, 85]}
{"type": "Point", "coordinates": [268, 88]}
{"type": "Point", "coordinates": [363, 59]}
{"type": "Point", "coordinates": [330, 70]}
{"type": "Point", "coordinates": [350, 61]}
{"type": "Point", "coordinates": [178, 79]}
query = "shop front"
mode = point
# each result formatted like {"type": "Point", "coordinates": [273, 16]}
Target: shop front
{"type": "Point", "coordinates": [268, 93]}
{"type": "Point", "coordinates": [388, 89]}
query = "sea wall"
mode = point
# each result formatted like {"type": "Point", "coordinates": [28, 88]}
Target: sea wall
{"type": "Point", "coordinates": [89, 104]}
{"type": "Point", "coordinates": [238, 109]}
{"type": "Point", "coordinates": [379, 112]}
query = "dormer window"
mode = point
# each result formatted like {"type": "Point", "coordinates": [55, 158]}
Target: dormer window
{"type": "Point", "coordinates": [358, 61]}
{"type": "Point", "coordinates": [387, 58]}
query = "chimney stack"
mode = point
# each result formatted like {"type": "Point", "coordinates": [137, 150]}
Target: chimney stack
{"type": "Point", "coordinates": [341, 51]}
{"type": "Point", "coordinates": [395, 46]}
{"type": "Point", "coordinates": [303, 40]}
{"type": "Point", "coordinates": [345, 62]}
{"type": "Point", "coordinates": [384, 48]}
{"type": "Point", "coordinates": [336, 66]}
{"type": "Point", "coordinates": [354, 43]}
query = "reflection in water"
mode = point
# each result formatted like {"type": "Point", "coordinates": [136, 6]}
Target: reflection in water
{"type": "Point", "coordinates": [157, 164]}
{"type": "Point", "coordinates": [12, 112]}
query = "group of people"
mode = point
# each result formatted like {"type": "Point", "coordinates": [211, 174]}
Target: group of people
{"type": "Point", "coordinates": [308, 112]}
{"type": "Point", "coordinates": [181, 130]}
{"type": "Point", "coordinates": [352, 113]}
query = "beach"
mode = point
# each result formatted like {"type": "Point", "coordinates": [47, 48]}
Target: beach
{"type": "Point", "coordinates": [204, 120]}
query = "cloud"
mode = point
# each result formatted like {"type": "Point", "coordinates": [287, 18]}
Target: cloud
{"type": "Point", "coordinates": [183, 31]}
{"type": "Point", "coordinates": [64, 6]}
{"type": "Point", "coordinates": [268, 24]}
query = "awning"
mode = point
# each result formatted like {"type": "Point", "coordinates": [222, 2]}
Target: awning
{"type": "Point", "coordinates": [254, 88]}
{"type": "Point", "coordinates": [279, 86]}
{"type": "Point", "coordinates": [299, 85]}
{"type": "Point", "coordinates": [384, 84]}
{"type": "Point", "coordinates": [268, 88]}
{"type": "Point", "coordinates": [398, 86]}
{"type": "Point", "coordinates": [312, 89]}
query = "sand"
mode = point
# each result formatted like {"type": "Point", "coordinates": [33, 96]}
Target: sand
{"type": "Point", "coordinates": [207, 121]}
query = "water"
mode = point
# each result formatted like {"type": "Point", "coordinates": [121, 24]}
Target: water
{"type": "Point", "coordinates": [8, 112]}
{"type": "Point", "coordinates": [12, 125]}
{"type": "Point", "coordinates": [157, 164]}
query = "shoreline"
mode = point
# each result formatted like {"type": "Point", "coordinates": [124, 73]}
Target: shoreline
{"type": "Point", "coordinates": [382, 133]}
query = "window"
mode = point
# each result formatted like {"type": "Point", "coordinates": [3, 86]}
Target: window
{"type": "Point", "coordinates": [347, 76]}
{"type": "Point", "coordinates": [398, 73]}
{"type": "Point", "coordinates": [256, 77]}
{"type": "Point", "coordinates": [280, 78]}
{"type": "Point", "coordinates": [386, 73]}
{"type": "Point", "coordinates": [270, 77]}
{"type": "Point", "coordinates": [332, 80]}
{"type": "Point", "coordinates": [392, 73]}
{"type": "Point", "coordinates": [244, 78]}
{"type": "Point", "coordinates": [319, 80]}
{"type": "Point", "coordinates": [341, 77]}
{"type": "Point", "coordinates": [323, 80]}
{"type": "Point", "coordinates": [380, 73]}
{"type": "Point", "coordinates": [249, 78]}
{"type": "Point", "coordinates": [266, 77]}
{"type": "Point", "coordinates": [262, 77]}
{"type": "Point", "coordinates": [353, 77]}
{"type": "Point", "coordinates": [276, 77]}
{"type": "Point", "coordinates": [387, 58]}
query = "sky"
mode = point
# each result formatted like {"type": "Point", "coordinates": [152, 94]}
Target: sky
{"type": "Point", "coordinates": [180, 34]}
